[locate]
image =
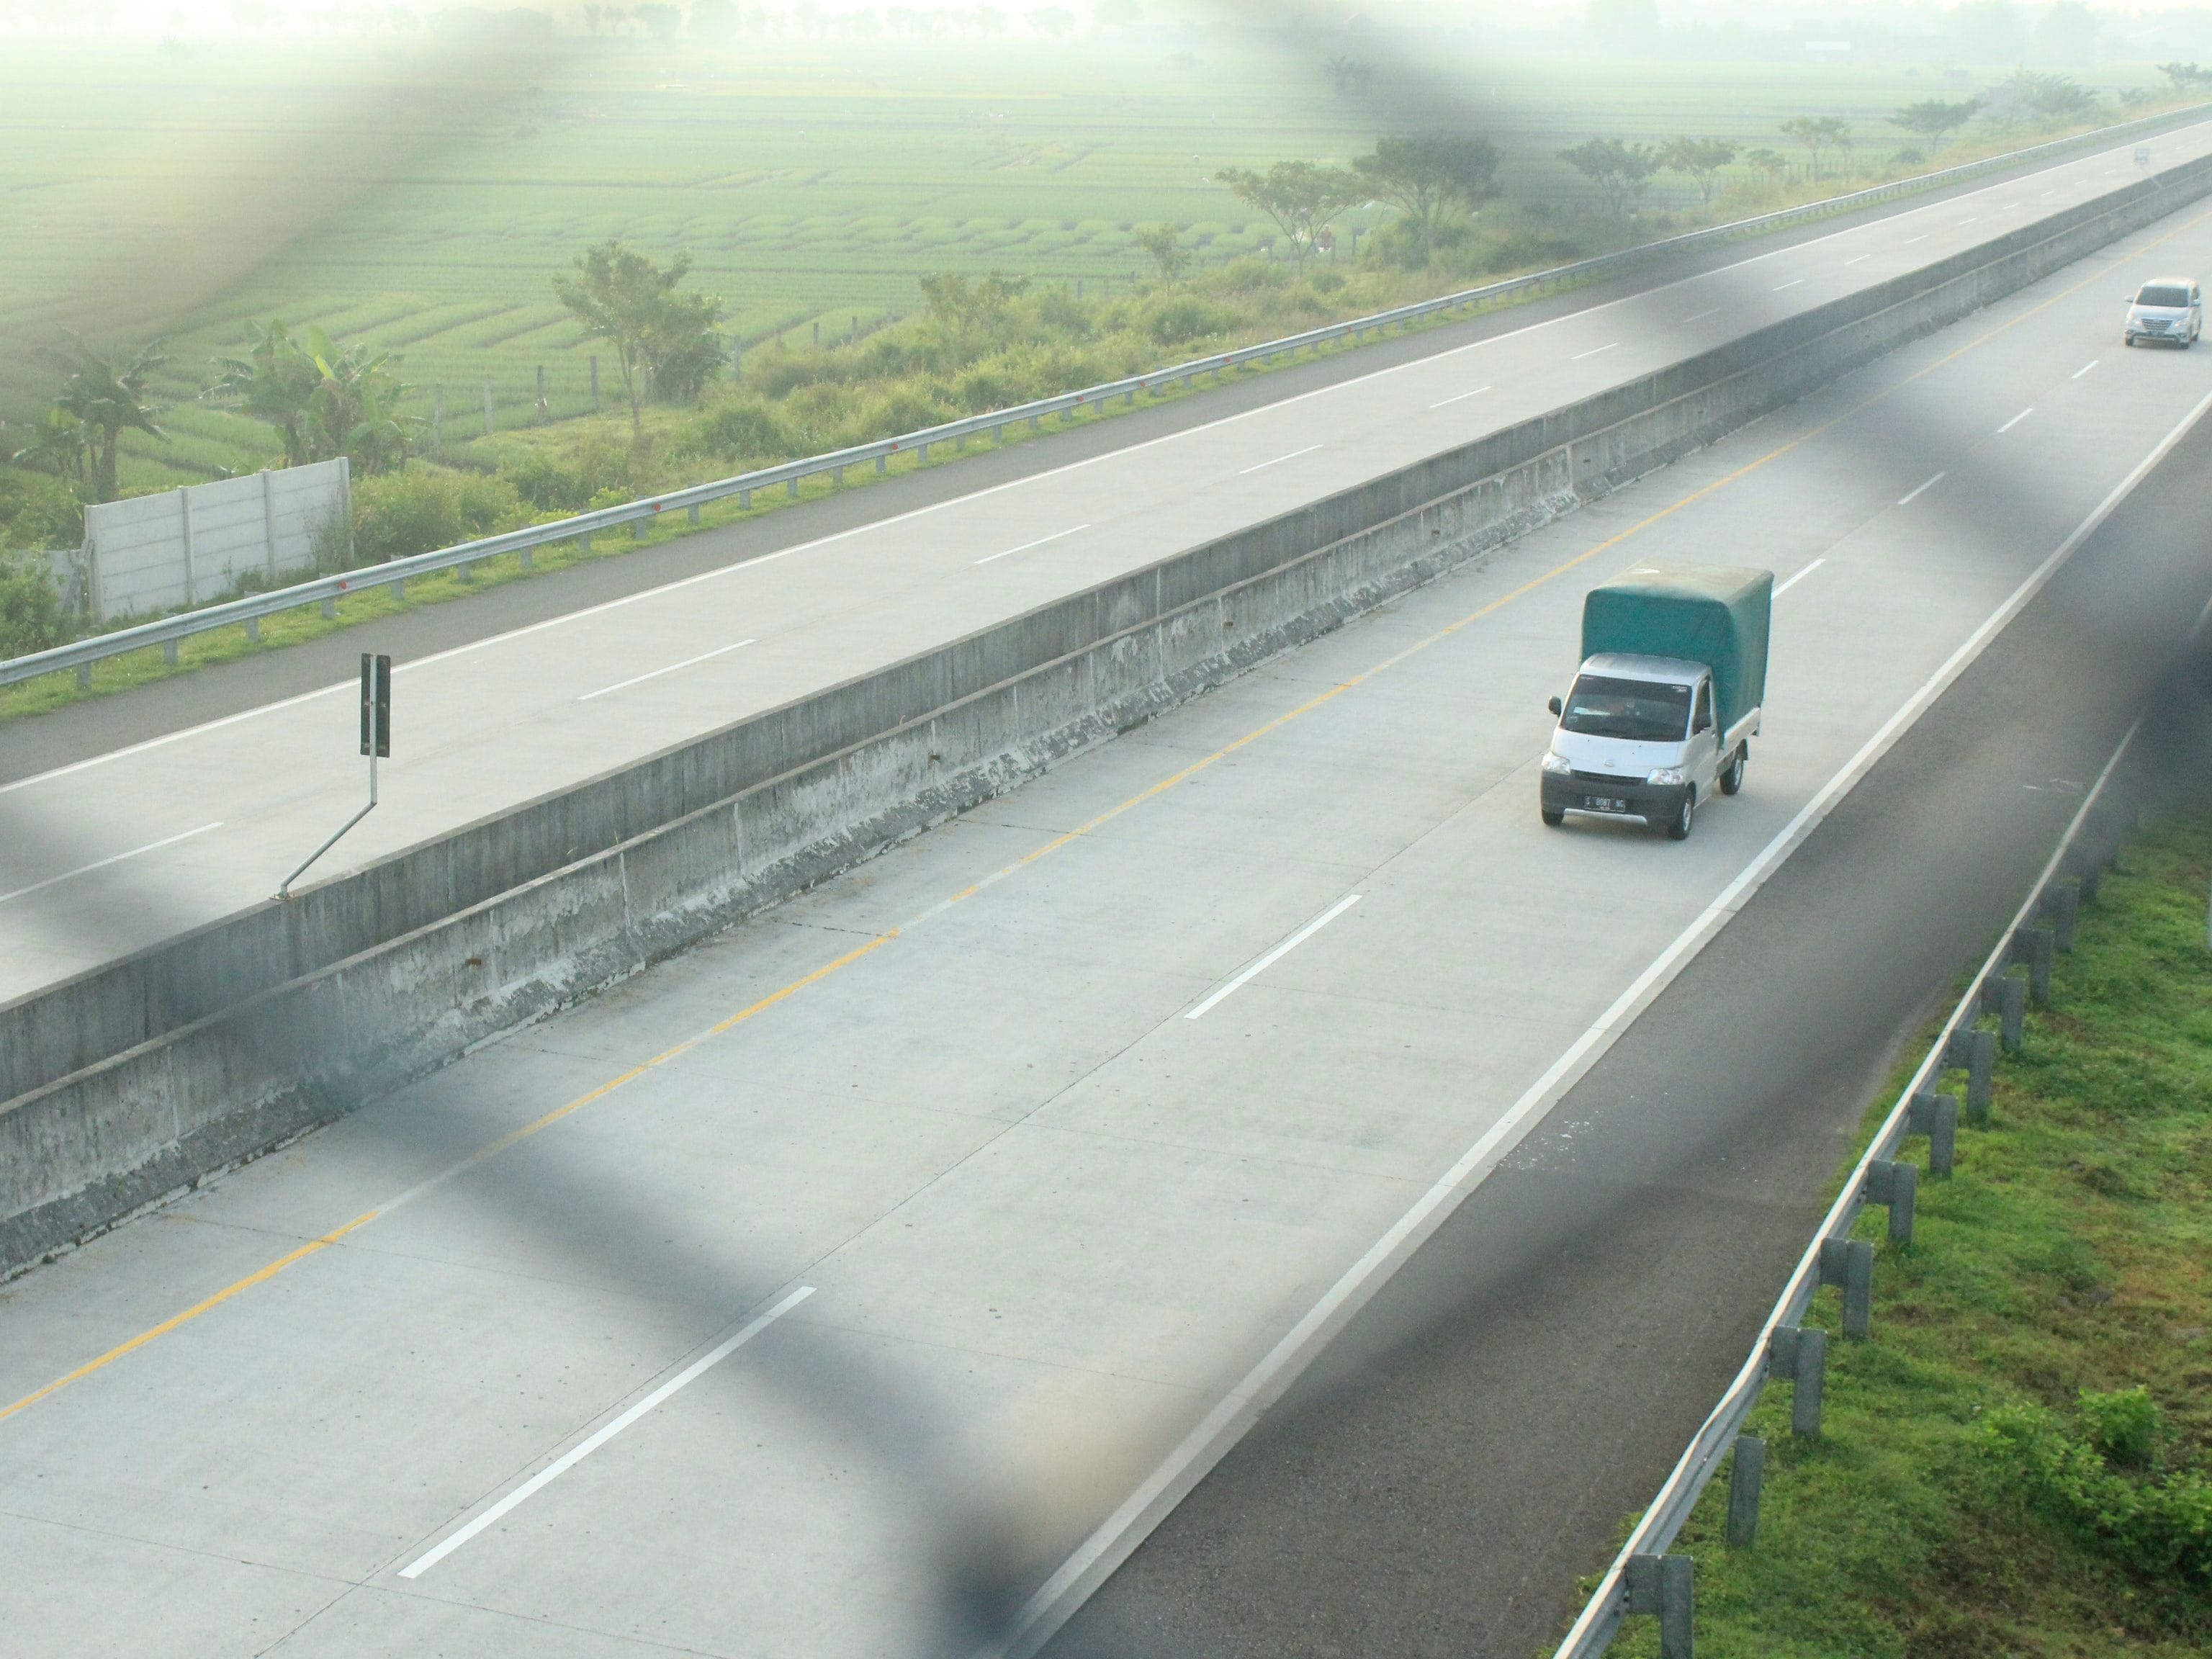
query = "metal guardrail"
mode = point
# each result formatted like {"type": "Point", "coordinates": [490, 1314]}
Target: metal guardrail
{"type": "Point", "coordinates": [1643, 1578]}
{"type": "Point", "coordinates": [327, 590]}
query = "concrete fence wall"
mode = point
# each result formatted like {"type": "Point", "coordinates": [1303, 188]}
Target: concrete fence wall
{"type": "Point", "coordinates": [186, 547]}
{"type": "Point", "coordinates": [134, 1079]}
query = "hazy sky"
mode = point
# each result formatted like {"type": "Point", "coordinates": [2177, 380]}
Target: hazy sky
{"type": "Point", "coordinates": [203, 17]}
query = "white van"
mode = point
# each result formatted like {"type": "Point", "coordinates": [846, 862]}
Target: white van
{"type": "Point", "coordinates": [2169, 308]}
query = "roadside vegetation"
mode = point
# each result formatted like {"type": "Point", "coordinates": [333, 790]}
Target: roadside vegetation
{"type": "Point", "coordinates": [2020, 1461]}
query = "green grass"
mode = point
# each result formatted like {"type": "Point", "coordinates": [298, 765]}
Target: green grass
{"type": "Point", "coordinates": [2069, 1262]}
{"type": "Point", "coordinates": [422, 200]}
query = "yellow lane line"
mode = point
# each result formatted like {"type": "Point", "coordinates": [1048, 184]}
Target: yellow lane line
{"type": "Point", "coordinates": [513, 1137]}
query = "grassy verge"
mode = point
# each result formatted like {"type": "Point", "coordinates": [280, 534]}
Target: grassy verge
{"type": "Point", "coordinates": [2017, 1463]}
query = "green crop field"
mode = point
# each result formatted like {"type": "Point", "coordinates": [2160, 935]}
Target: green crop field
{"type": "Point", "coordinates": [422, 199]}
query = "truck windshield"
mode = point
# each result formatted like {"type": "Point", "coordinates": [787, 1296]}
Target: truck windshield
{"type": "Point", "coordinates": [1639, 711]}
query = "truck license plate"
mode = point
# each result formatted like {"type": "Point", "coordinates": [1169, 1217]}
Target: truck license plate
{"type": "Point", "coordinates": [1605, 803]}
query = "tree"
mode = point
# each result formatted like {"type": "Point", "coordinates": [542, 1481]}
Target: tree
{"type": "Point", "coordinates": [1772, 162]}
{"type": "Point", "coordinates": [969, 306]}
{"type": "Point", "coordinates": [1935, 119]}
{"type": "Point", "coordinates": [2182, 77]}
{"type": "Point", "coordinates": [1701, 158]}
{"type": "Point", "coordinates": [1349, 76]}
{"type": "Point", "coordinates": [325, 401]}
{"type": "Point", "coordinates": [1054, 22]}
{"type": "Point", "coordinates": [1115, 13]}
{"type": "Point", "coordinates": [103, 397]}
{"type": "Point", "coordinates": [1170, 257]}
{"type": "Point", "coordinates": [621, 297]}
{"type": "Point", "coordinates": [1300, 197]}
{"type": "Point", "coordinates": [1621, 172]}
{"type": "Point", "coordinates": [662, 22]}
{"type": "Point", "coordinates": [1427, 178]}
{"type": "Point", "coordinates": [1818, 133]}
{"type": "Point", "coordinates": [2050, 100]}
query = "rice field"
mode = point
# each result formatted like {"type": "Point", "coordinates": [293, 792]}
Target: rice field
{"type": "Point", "coordinates": [423, 201]}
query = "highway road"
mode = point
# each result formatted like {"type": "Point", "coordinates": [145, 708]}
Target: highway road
{"type": "Point", "coordinates": [114, 851]}
{"type": "Point", "coordinates": [971, 1207]}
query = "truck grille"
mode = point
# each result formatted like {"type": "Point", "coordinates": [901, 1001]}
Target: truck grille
{"type": "Point", "coordinates": [1604, 777]}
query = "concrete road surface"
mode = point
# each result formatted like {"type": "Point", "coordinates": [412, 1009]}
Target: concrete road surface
{"type": "Point", "coordinates": [968, 1209]}
{"type": "Point", "coordinates": [110, 852]}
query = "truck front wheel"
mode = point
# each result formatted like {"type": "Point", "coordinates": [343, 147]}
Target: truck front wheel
{"type": "Point", "coordinates": [1554, 819]}
{"type": "Point", "coordinates": [1678, 828]}
{"type": "Point", "coordinates": [1732, 776]}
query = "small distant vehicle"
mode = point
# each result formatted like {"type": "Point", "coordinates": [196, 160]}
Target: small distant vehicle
{"type": "Point", "coordinates": [2167, 308]}
{"type": "Point", "coordinates": [1667, 699]}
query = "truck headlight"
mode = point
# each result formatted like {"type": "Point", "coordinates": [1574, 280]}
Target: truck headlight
{"type": "Point", "coordinates": [1668, 775]}
{"type": "Point", "coordinates": [1556, 767]}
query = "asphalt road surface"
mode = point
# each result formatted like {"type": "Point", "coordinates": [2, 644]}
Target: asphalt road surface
{"type": "Point", "coordinates": [113, 850]}
{"type": "Point", "coordinates": [936, 1232]}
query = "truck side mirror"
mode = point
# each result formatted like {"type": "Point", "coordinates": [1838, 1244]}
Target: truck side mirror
{"type": "Point", "coordinates": [1554, 705]}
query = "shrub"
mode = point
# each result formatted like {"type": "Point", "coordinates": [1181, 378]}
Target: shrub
{"type": "Point", "coordinates": [38, 512]}
{"type": "Point", "coordinates": [31, 617]}
{"type": "Point", "coordinates": [425, 507]}
{"type": "Point", "coordinates": [1177, 319]}
{"type": "Point", "coordinates": [553, 481]}
{"type": "Point", "coordinates": [743, 427]}
{"type": "Point", "coordinates": [2157, 1525]}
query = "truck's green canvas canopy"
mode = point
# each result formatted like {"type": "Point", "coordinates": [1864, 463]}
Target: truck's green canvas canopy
{"type": "Point", "coordinates": [1708, 614]}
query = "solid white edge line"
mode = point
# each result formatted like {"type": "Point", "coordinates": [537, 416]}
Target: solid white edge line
{"type": "Point", "coordinates": [1222, 1427]}
{"type": "Point", "coordinates": [640, 679]}
{"type": "Point", "coordinates": [101, 864]}
{"type": "Point", "coordinates": [568, 1460]}
{"type": "Point", "coordinates": [1229, 986]}
{"type": "Point", "coordinates": [1057, 535]}
{"type": "Point", "coordinates": [1907, 500]}
{"type": "Point", "coordinates": [1593, 351]}
{"type": "Point", "coordinates": [1462, 397]}
{"type": "Point", "coordinates": [1799, 577]}
{"type": "Point", "coordinates": [2085, 368]}
{"type": "Point", "coordinates": [1887, 221]}
{"type": "Point", "coordinates": [1279, 459]}
{"type": "Point", "coordinates": [2015, 420]}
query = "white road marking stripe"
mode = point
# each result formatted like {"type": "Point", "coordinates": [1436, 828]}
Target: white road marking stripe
{"type": "Point", "coordinates": [101, 864]}
{"type": "Point", "coordinates": [1279, 459]}
{"type": "Point", "coordinates": [2017, 420]}
{"type": "Point", "coordinates": [1593, 351]}
{"type": "Point", "coordinates": [1120, 1534]}
{"type": "Point", "coordinates": [561, 1465]}
{"type": "Point", "coordinates": [1229, 986]}
{"type": "Point", "coordinates": [1910, 241]}
{"type": "Point", "coordinates": [1907, 500]}
{"type": "Point", "coordinates": [1459, 396]}
{"type": "Point", "coordinates": [1713, 310]}
{"type": "Point", "coordinates": [1792, 282]}
{"type": "Point", "coordinates": [1968, 221]}
{"type": "Point", "coordinates": [1055, 535]}
{"type": "Point", "coordinates": [1854, 261]}
{"type": "Point", "coordinates": [2085, 368]}
{"type": "Point", "coordinates": [640, 679]}
{"type": "Point", "coordinates": [1799, 577]}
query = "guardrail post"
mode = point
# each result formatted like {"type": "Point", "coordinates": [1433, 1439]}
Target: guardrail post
{"type": "Point", "coordinates": [2005, 995]}
{"type": "Point", "coordinates": [744, 500]}
{"type": "Point", "coordinates": [1663, 1584]}
{"type": "Point", "coordinates": [399, 588]}
{"type": "Point", "coordinates": [1936, 1116]}
{"type": "Point", "coordinates": [529, 562]}
{"type": "Point", "coordinates": [169, 652]}
{"type": "Point", "coordinates": [2061, 903]}
{"type": "Point", "coordinates": [1801, 1353]}
{"type": "Point", "coordinates": [1976, 1051]}
{"type": "Point", "coordinates": [1747, 1474]}
{"type": "Point", "coordinates": [1849, 1262]}
{"type": "Point", "coordinates": [84, 677]}
{"type": "Point", "coordinates": [882, 461]}
{"type": "Point", "coordinates": [1897, 1185]}
{"type": "Point", "coordinates": [253, 629]}
{"type": "Point", "coordinates": [691, 513]}
{"type": "Point", "coordinates": [2034, 944]}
